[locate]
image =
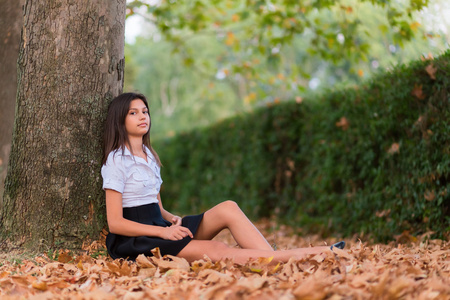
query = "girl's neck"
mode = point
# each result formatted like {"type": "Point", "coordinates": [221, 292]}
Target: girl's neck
{"type": "Point", "coordinates": [136, 147]}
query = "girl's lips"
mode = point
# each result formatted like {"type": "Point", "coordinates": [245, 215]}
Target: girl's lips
{"type": "Point", "coordinates": [143, 125]}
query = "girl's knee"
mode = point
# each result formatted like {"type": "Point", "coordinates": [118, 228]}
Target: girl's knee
{"type": "Point", "coordinates": [230, 205]}
{"type": "Point", "coordinates": [219, 248]}
{"type": "Point", "coordinates": [224, 212]}
{"type": "Point", "coordinates": [197, 249]}
{"type": "Point", "coordinates": [219, 245]}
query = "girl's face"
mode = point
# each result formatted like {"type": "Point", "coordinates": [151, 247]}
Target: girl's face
{"type": "Point", "coordinates": [137, 121]}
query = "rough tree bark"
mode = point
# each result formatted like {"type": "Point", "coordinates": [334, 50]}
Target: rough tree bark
{"type": "Point", "coordinates": [10, 24]}
{"type": "Point", "coordinates": [70, 65]}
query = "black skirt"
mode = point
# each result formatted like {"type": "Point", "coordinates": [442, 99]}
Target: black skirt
{"type": "Point", "coordinates": [127, 247]}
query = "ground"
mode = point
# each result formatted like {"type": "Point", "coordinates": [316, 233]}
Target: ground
{"type": "Point", "coordinates": [409, 268]}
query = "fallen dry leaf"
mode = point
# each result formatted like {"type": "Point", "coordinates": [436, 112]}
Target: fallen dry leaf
{"type": "Point", "coordinates": [395, 147]}
{"type": "Point", "coordinates": [418, 92]}
{"type": "Point", "coordinates": [40, 285]}
{"type": "Point", "coordinates": [64, 256]}
{"type": "Point", "coordinates": [343, 123]}
{"type": "Point", "coordinates": [310, 289]}
{"type": "Point", "coordinates": [431, 70]}
{"type": "Point", "coordinates": [429, 195]}
{"type": "Point", "coordinates": [413, 267]}
{"type": "Point", "coordinates": [143, 262]}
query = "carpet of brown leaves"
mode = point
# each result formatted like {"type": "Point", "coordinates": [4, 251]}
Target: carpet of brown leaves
{"type": "Point", "coordinates": [411, 268]}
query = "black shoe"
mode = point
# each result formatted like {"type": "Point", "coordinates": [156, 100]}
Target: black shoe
{"type": "Point", "coordinates": [339, 245]}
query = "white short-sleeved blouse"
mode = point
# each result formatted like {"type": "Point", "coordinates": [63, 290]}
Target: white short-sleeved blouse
{"type": "Point", "coordinates": [137, 180]}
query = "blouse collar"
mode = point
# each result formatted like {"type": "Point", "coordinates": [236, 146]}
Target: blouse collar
{"type": "Point", "coordinates": [127, 152]}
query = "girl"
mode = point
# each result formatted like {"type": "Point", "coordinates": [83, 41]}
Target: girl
{"type": "Point", "coordinates": [136, 217]}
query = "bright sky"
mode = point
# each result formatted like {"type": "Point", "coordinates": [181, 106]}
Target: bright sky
{"type": "Point", "coordinates": [133, 28]}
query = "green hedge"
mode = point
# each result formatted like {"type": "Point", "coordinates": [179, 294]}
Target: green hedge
{"type": "Point", "coordinates": [373, 159]}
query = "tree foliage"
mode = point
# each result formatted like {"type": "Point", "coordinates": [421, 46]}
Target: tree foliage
{"type": "Point", "coordinates": [225, 57]}
{"type": "Point", "coordinates": [336, 30]}
{"type": "Point", "coordinates": [372, 159]}
{"type": "Point", "coordinates": [261, 26]}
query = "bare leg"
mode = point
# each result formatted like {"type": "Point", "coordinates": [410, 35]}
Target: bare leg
{"type": "Point", "coordinates": [228, 215]}
{"type": "Point", "coordinates": [215, 250]}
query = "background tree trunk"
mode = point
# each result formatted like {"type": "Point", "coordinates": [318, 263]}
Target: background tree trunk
{"type": "Point", "coordinates": [71, 63]}
{"type": "Point", "coordinates": [10, 24]}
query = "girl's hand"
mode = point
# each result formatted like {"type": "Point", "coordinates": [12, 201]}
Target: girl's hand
{"type": "Point", "coordinates": [176, 233]}
{"type": "Point", "coordinates": [176, 220]}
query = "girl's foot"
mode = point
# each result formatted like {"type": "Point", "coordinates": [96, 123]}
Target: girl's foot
{"type": "Point", "coordinates": [339, 245]}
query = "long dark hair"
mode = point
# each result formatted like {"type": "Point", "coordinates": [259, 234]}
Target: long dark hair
{"type": "Point", "coordinates": [115, 135]}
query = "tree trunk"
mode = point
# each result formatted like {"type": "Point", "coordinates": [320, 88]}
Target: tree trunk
{"type": "Point", "coordinates": [10, 24]}
{"type": "Point", "coordinates": [70, 65]}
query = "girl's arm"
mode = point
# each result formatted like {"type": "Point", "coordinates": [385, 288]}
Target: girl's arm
{"type": "Point", "coordinates": [167, 215]}
{"type": "Point", "coordinates": [119, 225]}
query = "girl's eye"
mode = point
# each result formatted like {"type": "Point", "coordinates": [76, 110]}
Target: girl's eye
{"type": "Point", "coordinates": [135, 112]}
